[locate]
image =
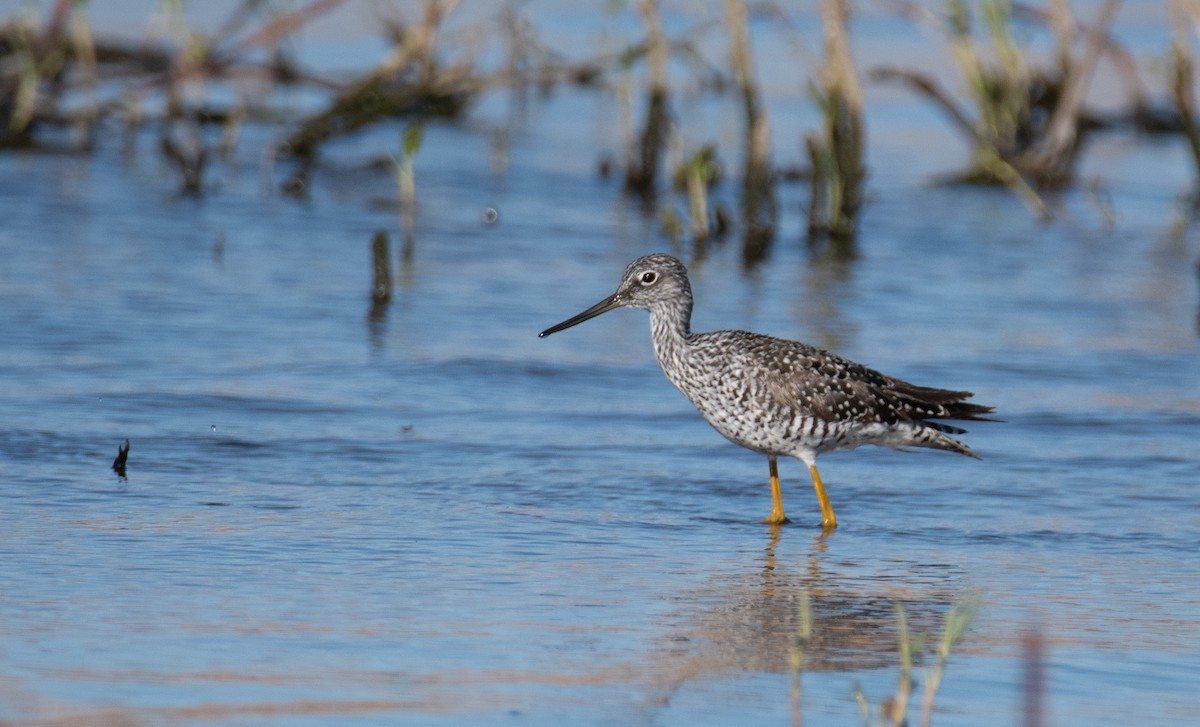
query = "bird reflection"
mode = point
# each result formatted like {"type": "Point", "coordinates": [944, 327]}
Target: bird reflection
{"type": "Point", "coordinates": [819, 547]}
{"type": "Point", "coordinates": [753, 623]}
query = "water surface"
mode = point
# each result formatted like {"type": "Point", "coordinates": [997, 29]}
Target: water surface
{"type": "Point", "coordinates": [437, 518]}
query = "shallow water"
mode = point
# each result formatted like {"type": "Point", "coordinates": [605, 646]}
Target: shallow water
{"type": "Point", "coordinates": [438, 518]}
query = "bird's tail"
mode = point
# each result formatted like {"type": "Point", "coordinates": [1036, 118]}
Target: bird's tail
{"type": "Point", "coordinates": [934, 435]}
{"type": "Point", "coordinates": [924, 405]}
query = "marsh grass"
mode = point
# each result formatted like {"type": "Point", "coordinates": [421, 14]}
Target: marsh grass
{"type": "Point", "coordinates": [953, 629]}
{"type": "Point", "coordinates": [1024, 119]}
{"type": "Point", "coordinates": [404, 171]}
{"type": "Point", "coordinates": [892, 710]}
{"type": "Point", "coordinates": [406, 180]}
{"type": "Point", "coordinates": [800, 644]}
{"type": "Point", "coordinates": [36, 60]}
{"type": "Point", "coordinates": [641, 168]}
{"type": "Point", "coordinates": [1027, 126]}
{"type": "Point", "coordinates": [759, 207]}
{"type": "Point", "coordinates": [408, 83]}
{"type": "Point", "coordinates": [836, 155]}
{"type": "Point", "coordinates": [699, 172]}
{"type": "Point", "coordinates": [1185, 14]}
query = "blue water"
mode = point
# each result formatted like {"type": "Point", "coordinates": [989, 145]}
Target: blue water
{"type": "Point", "coordinates": [437, 518]}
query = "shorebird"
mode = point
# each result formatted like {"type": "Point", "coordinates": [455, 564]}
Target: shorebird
{"type": "Point", "coordinates": [780, 397]}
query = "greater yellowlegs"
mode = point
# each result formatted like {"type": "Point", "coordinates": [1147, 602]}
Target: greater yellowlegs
{"type": "Point", "coordinates": [780, 397]}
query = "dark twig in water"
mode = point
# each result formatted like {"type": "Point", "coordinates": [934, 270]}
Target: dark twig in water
{"type": "Point", "coordinates": [118, 464]}
{"type": "Point", "coordinates": [381, 286]}
{"type": "Point", "coordinates": [190, 156]}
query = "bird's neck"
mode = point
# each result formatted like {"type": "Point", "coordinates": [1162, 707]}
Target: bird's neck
{"type": "Point", "coordinates": [671, 328]}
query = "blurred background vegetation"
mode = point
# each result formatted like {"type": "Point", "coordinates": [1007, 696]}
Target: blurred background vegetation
{"type": "Point", "coordinates": [1016, 89]}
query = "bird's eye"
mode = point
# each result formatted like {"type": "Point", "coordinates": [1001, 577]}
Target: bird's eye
{"type": "Point", "coordinates": [649, 277]}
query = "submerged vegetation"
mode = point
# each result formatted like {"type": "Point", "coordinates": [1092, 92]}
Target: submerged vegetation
{"type": "Point", "coordinates": [894, 709]}
{"type": "Point", "coordinates": [1028, 126]}
{"type": "Point", "coordinates": [1024, 116]}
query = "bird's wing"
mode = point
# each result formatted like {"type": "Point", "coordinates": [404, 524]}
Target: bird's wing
{"type": "Point", "coordinates": [817, 383]}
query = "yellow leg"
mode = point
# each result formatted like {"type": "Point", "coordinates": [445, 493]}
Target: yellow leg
{"type": "Point", "coordinates": [828, 519]}
{"type": "Point", "coordinates": [776, 517]}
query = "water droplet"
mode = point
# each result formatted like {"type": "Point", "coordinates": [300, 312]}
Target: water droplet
{"type": "Point", "coordinates": [213, 428]}
{"type": "Point", "coordinates": [490, 216]}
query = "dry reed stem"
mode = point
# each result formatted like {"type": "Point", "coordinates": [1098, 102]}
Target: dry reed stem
{"type": "Point", "coordinates": [656, 45]}
{"type": "Point", "coordinates": [839, 69]}
{"type": "Point", "coordinates": [844, 120]}
{"type": "Point", "coordinates": [955, 626]}
{"type": "Point", "coordinates": [928, 87]}
{"type": "Point", "coordinates": [739, 53]}
{"type": "Point", "coordinates": [1058, 17]}
{"type": "Point", "coordinates": [32, 75]}
{"type": "Point", "coordinates": [1067, 28]}
{"type": "Point", "coordinates": [1182, 74]}
{"type": "Point", "coordinates": [1062, 131]}
{"type": "Point", "coordinates": [800, 642]}
{"type": "Point", "coordinates": [84, 49]}
{"type": "Point", "coordinates": [818, 199]}
{"type": "Point", "coordinates": [999, 168]}
{"type": "Point", "coordinates": [642, 170]}
{"type": "Point", "coordinates": [1063, 23]}
{"type": "Point", "coordinates": [284, 25]}
{"type": "Point", "coordinates": [896, 708]}
{"type": "Point", "coordinates": [697, 173]}
{"type": "Point", "coordinates": [758, 198]}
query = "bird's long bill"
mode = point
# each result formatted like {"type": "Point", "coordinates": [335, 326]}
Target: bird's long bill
{"type": "Point", "coordinates": [604, 306]}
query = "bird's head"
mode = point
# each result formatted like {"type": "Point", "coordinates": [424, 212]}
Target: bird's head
{"type": "Point", "coordinates": [651, 282]}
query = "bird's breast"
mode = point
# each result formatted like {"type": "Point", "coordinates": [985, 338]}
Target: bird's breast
{"type": "Point", "coordinates": [737, 404]}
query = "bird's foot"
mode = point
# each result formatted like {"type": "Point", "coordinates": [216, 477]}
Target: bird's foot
{"type": "Point", "coordinates": [776, 518]}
